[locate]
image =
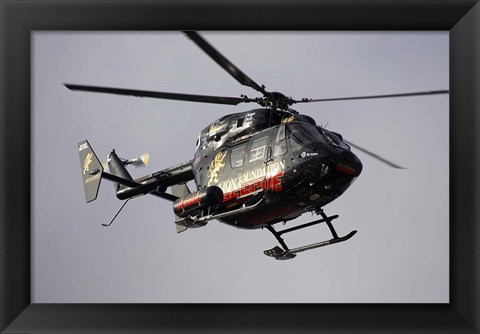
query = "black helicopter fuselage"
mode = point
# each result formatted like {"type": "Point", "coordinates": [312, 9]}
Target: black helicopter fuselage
{"type": "Point", "coordinates": [280, 161]}
{"type": "Point", "coordinates": [251, 169]}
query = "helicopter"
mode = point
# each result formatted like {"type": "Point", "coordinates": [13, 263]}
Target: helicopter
{"type": "Point", "coordinates": [251, 169]}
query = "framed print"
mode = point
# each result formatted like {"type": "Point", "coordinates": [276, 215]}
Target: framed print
{"type": "Point", "coordinates": [438, 293]}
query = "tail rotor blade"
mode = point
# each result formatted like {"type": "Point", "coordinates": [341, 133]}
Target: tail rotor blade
{"type": "Point", "coordinates": [140, 161]}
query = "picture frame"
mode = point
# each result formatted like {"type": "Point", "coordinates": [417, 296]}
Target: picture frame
{"type": "Point", "coordinates": [18, 314]}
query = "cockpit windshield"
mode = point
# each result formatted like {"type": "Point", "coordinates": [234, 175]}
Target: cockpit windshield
{"type": "Point", "coordinates": [304, 135]}
{"type": "Point", "coordinates": [307, 135]}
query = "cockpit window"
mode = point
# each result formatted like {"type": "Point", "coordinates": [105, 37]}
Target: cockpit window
{"type": "Point", "coordinates": [240, 122]}
{"type": "Point", "coordinates": [258, 149]}
{"type": "Point", "coordinates": [303, 136]}
{"type": "Point", "coordinates": [237, 155]}
{"type": "Point", "coordinates": [280, 147]}
{"type": "Point", "coordinates": [280, 133]}
{"type": "Point", "coordinates": [306, 135]}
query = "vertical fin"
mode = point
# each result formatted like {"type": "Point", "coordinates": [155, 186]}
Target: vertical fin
{"type": "Point", "coordinates": [91, 170]}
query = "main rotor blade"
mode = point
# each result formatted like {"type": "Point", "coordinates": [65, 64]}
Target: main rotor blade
{"type": "Point", "coordinates": [431, 92]}
{"type": "Point", "coordinates": [374, 155]}
{"type": "Point", "coordinates": [162, 95]}
{"type": "Point", "coordinates": [224, 62]}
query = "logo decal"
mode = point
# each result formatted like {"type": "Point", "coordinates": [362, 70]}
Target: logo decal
{"type": "Point", "coordinates": [86, 163]}
{"type": "Point", "coordinates": [217, 126]}
{"type": "Point", "coordinates": [308, 154]}
{"type": "Point", "coordinates": [215, 167]}
{"type": "Point", "coordinates": [288, 119]}
{"type": "Point", "coordinates": [82, 147]}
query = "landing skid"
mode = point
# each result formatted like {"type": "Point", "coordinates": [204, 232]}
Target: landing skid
{"type": "Point", "coordinates": [287, 253]}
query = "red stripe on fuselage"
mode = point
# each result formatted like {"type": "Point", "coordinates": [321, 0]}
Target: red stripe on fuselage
{"type": "Point", "coordinates": [273, 182]}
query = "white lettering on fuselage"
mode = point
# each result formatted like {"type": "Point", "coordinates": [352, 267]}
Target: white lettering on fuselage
{"type": "Point", "coordinates": [262, 172]}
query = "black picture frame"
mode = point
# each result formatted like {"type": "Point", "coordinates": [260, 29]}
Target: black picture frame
{"type": "Point", "coordinates": [18, 18]}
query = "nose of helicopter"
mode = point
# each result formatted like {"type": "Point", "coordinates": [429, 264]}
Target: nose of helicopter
{"type": "Point", "coordinates": [349, 164]}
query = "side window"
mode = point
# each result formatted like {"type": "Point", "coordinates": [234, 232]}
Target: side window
{"type": "Point", "coordinates": [236, 157]}
{"type": "Point", "coordinates": [240, 122]}
{"type": "Point", "coordinates": [280, 147]}
{"type": "Point", "coordinates": [258, 149]}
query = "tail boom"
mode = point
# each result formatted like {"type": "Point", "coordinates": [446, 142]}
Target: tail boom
{"type": "Point", "coordinates": [155, 184]}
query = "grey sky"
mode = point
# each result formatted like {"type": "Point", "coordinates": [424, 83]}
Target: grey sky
{"type": "Point", "coordinates": [400, 253]}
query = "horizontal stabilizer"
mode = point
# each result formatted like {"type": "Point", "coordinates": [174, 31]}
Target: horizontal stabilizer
{"type": "Point", "coordinates": [180, 190]}
{"type": "Point", "coordinates": [181, 228]}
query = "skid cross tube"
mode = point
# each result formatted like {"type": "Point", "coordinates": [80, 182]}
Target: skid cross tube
{"type": "Point", "coordinates": [287, 253]}
{"type": "Point", "coordinates": [326, 219]}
